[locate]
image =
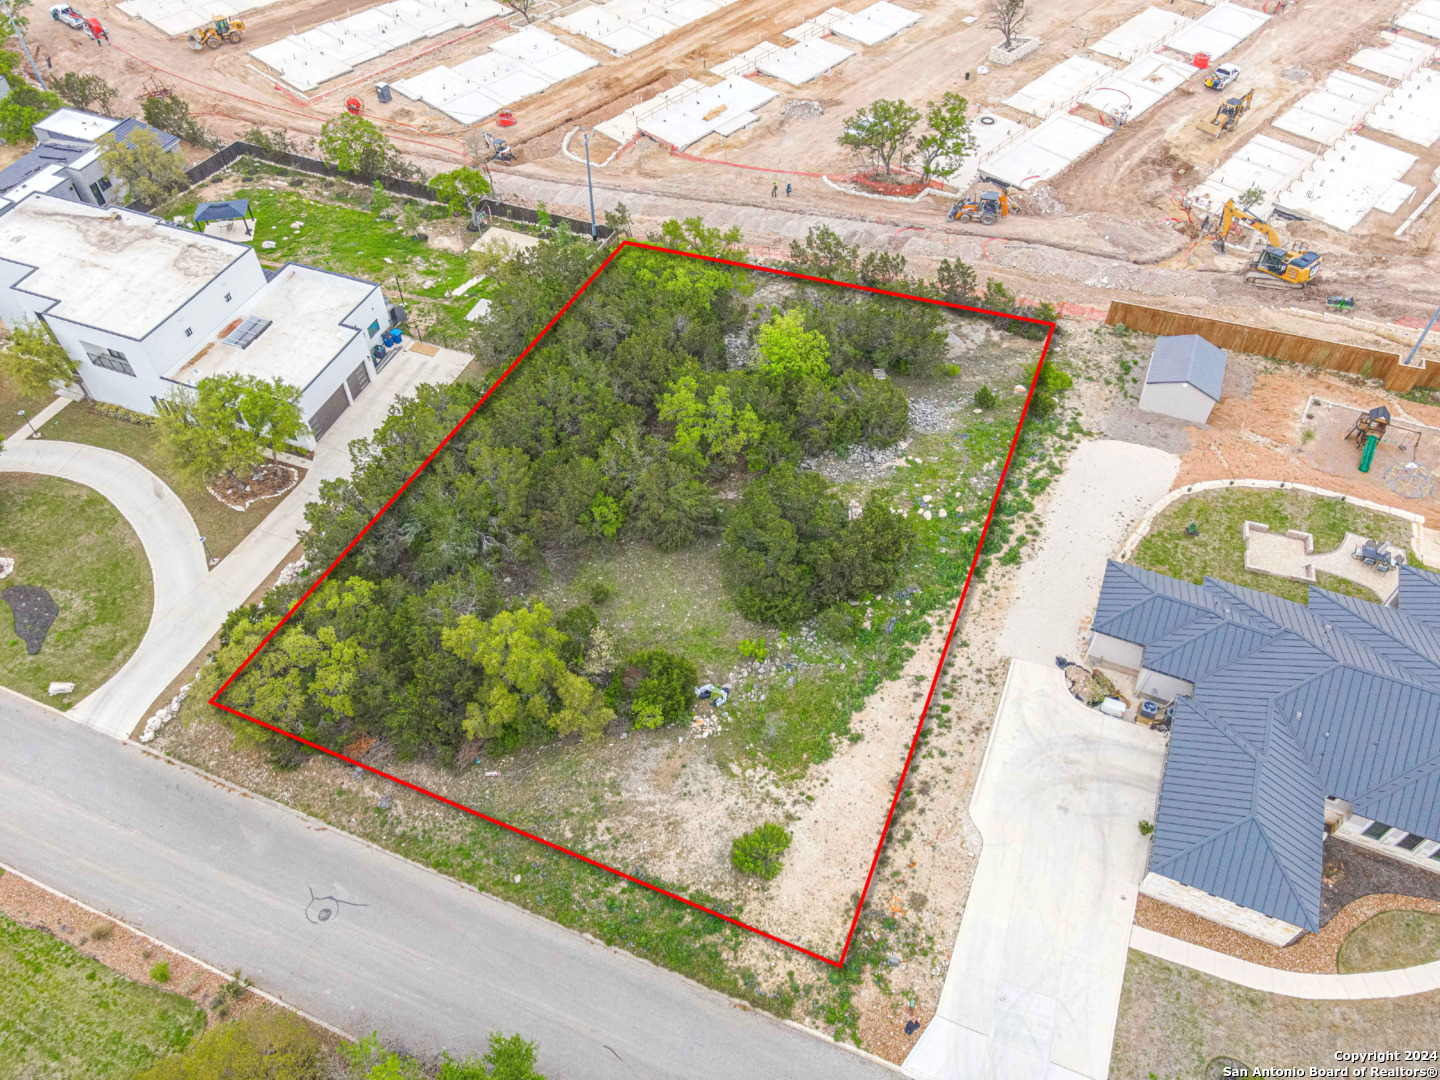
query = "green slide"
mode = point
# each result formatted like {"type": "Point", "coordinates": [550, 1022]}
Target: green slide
{"type": "Point", "coordinates": [1368, 454]}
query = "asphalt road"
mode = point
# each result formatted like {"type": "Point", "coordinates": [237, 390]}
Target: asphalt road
{"type": "Point", "coordinates": [242, 882]}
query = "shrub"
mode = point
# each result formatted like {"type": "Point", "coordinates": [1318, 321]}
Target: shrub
{"type": "Point", "coordinates": [269, 1044]}
{"type": "Point", "coordinates": [839, 622]}
{"type": "Point", "coordinates": [102, 932]}
{"type": "Point", "coordinates": [600, 593]}
{"type": "Point", "coordinates": [950, 369]}
{"type": "Point", "coordinates": [666, 689]}
{"type": "Point", "coordinates": [160, 973]}
{"type": "Point", "coordinates": [755, 649]}
{"type": "Point", "coordinates": [1146, 828]}
{"type": "Point", "coordinates": [759, 851]}
{"type": "Point", "coordinates": [985, 398]}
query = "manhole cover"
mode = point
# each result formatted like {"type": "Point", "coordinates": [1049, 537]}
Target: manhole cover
{"type": "Point", "coordinates": [35, 610]}
{"type": "Point", "coordinates": [1410, 479]}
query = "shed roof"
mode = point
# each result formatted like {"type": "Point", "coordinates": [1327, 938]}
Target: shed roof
{"type": "Point", "coordinates": [47, 153]}
{"type": "Point", "coordinates": [1293, 703]}
{"type": "Point", "coordinates": [1188, 358]}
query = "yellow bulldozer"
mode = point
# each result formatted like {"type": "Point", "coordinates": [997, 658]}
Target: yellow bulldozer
{"type": "Point", "coordinates": [1278, 266]}
{"type": "Point", "coordinates": [1227, 115]}
{"type": "Point", "coordinates": [221, 29]}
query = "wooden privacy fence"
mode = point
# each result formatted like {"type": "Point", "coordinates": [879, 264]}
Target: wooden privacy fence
{"type": "Point", "coordinates": [1332, 355]}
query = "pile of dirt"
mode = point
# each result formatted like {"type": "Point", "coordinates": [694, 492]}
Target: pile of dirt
{"type": "Point", "coordinates": [266, 482]}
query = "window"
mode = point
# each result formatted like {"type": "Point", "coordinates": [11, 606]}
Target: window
{"type": "Point", "coordinates": [227, 297]}
{"type": "Point", "coordinates": [1376, 830]}
{"type": "Point", "coordinates": [109, 359]}
{"type": "Point", "coordinates": [188, 331]}
{"type": "Point", "coordinates": [249, 329]}
{"type": "Point", "coordinates": [1411, 842]}
{"type": "Point", "coordinates": [374, 328]}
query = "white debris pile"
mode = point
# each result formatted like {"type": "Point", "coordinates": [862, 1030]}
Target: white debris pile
{"type": "Point", "coordinates": [292, 572]}
{"type": "Point", "coordinates": [168, 713]}
{"type": "Point", "coordinates": [7, 567]}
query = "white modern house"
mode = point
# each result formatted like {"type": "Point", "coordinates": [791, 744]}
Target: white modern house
{"type": "Point", "coordinates": [66, 159]}
{"type": "Point", "coordinates": [143, 306]}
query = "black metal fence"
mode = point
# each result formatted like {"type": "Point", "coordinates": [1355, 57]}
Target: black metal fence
{"type": "Point", "coordinates": [408, 189]}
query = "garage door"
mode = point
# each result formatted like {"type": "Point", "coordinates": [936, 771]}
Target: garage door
{"type": "Point", "coordinates": [328, 413]}
{"type": "Point", "coordinates": [358, 380]}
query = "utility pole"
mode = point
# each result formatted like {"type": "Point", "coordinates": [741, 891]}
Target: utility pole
{"type": "Point", "coordinates": [15, 25]}
{"type": "Point", "coordinates": [589, 184]}
{"type": "Point", "coordinates": [1420, 340]}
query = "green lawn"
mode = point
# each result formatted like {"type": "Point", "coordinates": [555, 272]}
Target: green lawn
{"type": "Point", "coordinates": [1219, 551]}
{"type": "Point", "coordinates": [222, 527]}
{"type": "Point", "coordinates": [1390, 940]}
{"type": "Point", "coordinates": [63, 1015]}
{"type": "Point", "coordinates": [12, 399]}
{"type": "Point", "coordinates": [70, 540]}
{"type": "Point", "coordinates": [351, 240]}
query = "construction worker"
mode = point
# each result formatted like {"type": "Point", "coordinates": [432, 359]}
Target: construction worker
{"type": "Point", "coordinates": [787, 190]}
{"type": "Point", "coordinates": [774, 188]}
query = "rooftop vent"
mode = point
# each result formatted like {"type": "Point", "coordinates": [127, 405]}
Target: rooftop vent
{"type": "Point", "coordinates": [243, 335]}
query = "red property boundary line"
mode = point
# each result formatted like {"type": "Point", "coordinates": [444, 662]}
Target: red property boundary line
{"type": "Point", "coordinates": [934, 680]}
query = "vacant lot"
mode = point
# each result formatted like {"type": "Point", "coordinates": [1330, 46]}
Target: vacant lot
{"type": "Point", "coordinates": [68, 539]}
{"type": "Point", "coordinates": [64, 1016]}
{"type": "Point", "coordinates": [1218, 550]}
{"type": "Point", "coordinates": [1174, 1022]}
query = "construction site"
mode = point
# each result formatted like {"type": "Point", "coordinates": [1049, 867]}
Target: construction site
{"type": "Point", "coordinates": [1119, 133]}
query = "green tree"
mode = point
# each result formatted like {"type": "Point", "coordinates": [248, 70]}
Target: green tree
{"type": "Point", "coordinates": [409, 219]}
{"type": "Point", "coordinates": [948, 140]}
{"type": "Point", "coordinates": [881, 268]}
{"type": "Point", "coordinates": [88, 91]}
{"type": "Point", "coordinates": [266, 1045]}
{"type": "Point", "coordinates": [1251, 196]}
{"type": "Point", "coordinates": [708, 432]}
{"type": "Point", "coordinates": [525, 678]}
{"type": "Point", "coordinates": [380, 199]}
{"type": "Point", "coordinates": [883, 132]}
{"type": "Point", "coordinates": [171, 114]}
{"type": "Point", "coordinates": [508, 1058]}
{"type": "Point", "coordinates": [33, 358]}
{"type": "Point", "coordinates": [1007, 16]}
{"type": "Point", "coordinates": [619, 219]}
{"type": "Point", "coordinates": [276, 140]}
{"type": "Point", "coordinates": [23, 108]}
{"type": "Point", "coordinates": [665, 690]}
{"type": "Point", "coordinates": [460, 189]}
{"type": "Point", "coordinates": [227, 422]}
{"type": "Point", "coordinates": [693, 234]}
{"type": "Point", "coordinates": [356, 146]}
{"type": "Point", "coordinates": [149, 172]}
{"type": "Point", "coordinates": [824, 254]}
{"type": "Point", "coordinates": [790, 351]}
{"type": "Point", "coordinates": [760, 851]}
{"type": "Point", "coordinates": [956, 281]}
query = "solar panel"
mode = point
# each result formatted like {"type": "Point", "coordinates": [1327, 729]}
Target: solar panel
{"type": "Point", "coordinates": [248, 330]}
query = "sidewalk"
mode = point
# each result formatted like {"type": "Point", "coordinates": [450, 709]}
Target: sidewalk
{"type": "Point", "coordinates": [1034, 982]}
{"type": "Point", "coordinates": [1297, 984]}
{"type": "Point", "coordinates": [191, 604]}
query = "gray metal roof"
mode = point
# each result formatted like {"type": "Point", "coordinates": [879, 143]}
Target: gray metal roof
{"type": "Point", "coordinates": [47, 153]}
{"type": "Point", "coordinates": [1188, 358]}
{"type": "Point", "coordinates": [1293, 703]}
{"type": "Point", "coordinates": [127, 127]}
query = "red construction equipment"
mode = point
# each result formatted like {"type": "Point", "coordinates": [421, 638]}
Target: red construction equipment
{"type": "Point", "coordinates": [505, 118]}
{"type": "Point", "coordinates": [353, 106]}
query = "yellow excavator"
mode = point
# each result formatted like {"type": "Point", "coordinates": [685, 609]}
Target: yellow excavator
{"type": "Point", "coordinates": [1278, 265]}
{"type": "Point", "coordinates": [1227, 116]}
{"type": "Point", "coordinates": [220, 29]}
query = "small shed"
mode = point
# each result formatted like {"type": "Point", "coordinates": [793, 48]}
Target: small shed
{"type": "Point", "coordinates": [1184, 378]}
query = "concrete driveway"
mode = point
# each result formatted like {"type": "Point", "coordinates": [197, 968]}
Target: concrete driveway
{"type": "Point", "coordinates": [1034, 982]}
{"type": "Point", "coordinates": [1105, 490]}
{"type": "Point", "coordinates": [190, 603]}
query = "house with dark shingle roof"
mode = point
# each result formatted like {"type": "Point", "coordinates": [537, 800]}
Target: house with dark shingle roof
{"type": "Point", "coordinates": [1290, 722]}
{"type": "Point", "coordinates": [1184, 378]}
{"type": "Point", "coordinates": [66, 160]}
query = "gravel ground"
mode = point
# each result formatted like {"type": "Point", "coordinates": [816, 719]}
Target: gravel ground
{"type": "Point", "coordinates": [1352, 872]}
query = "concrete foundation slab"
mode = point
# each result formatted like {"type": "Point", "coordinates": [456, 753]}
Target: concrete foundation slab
{"type": "Point", "coordinates": [1218, 31]}
{"type": "Point", "coordinates": [803, 61]}
{"type": "Point", "coordinates": [1347, 182]}
{"type": "Point", "coordinates": [1396, 59]}
{"type": "Point", "coordinates": [1047, 150]}
{"type": "Point", "coordinates": [1412, 110]}
{"type": "Point", "coordinates": [1128, 93]}
{"type": "Point", "coordinates": [1060, 87]}
{"type": "Point", "coordinates": [1264, 163]}
{"type": "Point", "coordinates": [1144, 33]}
{"type": "Point", "coordinates": [875, 23]}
